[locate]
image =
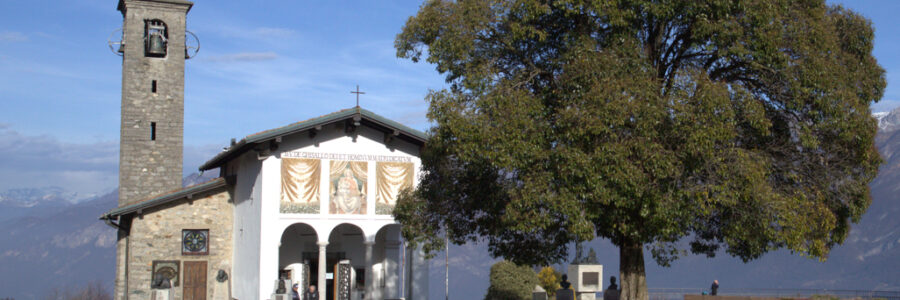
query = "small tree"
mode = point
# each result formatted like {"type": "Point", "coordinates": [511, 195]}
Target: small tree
{"type": "Point", "coordinates": [511, 282]}
{"type": "Point", "coordinates": [549, 279]}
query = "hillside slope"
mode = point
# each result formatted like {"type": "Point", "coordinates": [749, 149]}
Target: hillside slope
{"type": "Point", "coordinates": [54, 244]}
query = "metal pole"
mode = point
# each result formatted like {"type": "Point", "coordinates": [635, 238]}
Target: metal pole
{"type": "Point", "coordinates": [447, 267]}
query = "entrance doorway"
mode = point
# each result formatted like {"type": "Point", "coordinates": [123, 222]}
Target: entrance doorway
{"type": "Point", "coordinates": [331, 259]}
{"type": "Point", "coordinates": [194, 280]}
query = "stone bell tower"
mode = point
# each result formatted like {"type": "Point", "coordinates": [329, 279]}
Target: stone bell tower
{"type": "Point", "coordinates": [152, 126]}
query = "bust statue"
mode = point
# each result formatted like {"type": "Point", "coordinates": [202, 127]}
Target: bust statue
{"type": "Point", "coordinates": [160, 282]}
{"type": "Point", "coordinates": [565, 284]}
{"type": "Point", "coordinates": [281, 289]}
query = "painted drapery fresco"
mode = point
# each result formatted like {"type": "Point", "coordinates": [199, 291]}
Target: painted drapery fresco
{"type": "Point", "coordinates": [392, 177]}
{"type": "Point", "coordinates": [300, 180]}
{"type": "Point", "coordinates": [348, 184]}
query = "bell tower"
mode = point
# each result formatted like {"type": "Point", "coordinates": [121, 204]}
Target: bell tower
{"type": "Point", "coordinates": [152, 125]}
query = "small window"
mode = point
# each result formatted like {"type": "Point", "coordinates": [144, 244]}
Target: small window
{"type": "Point", "coordinates": [153, 87]}
{"type": "Point", "coordinates": [152, 131]}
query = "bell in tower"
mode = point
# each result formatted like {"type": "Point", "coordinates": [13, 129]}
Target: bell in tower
{"type": "Point", "coordinates": [155, 38]}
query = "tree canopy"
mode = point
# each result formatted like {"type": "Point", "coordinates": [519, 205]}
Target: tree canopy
{"type": "Point", "coordinates": [737, 125]}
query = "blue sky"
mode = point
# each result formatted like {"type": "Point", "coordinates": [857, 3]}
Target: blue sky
{"type": "Point", "coordinates": [262, 64]}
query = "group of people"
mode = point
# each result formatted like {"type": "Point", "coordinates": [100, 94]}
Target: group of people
{"type": "Point", "coordinates": [310, 293]}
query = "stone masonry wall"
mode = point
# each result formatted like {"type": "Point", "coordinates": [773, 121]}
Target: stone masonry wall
{"type": "Point", "coordinates": [150, 167]}
{"type": "Point", "coordinates": [157, 235]}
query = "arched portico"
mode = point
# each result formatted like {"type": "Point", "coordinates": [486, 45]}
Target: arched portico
{"type": "Point", "coordinates": [372, 247]}
{"type": "Point", "coordinates": [346, 241]}
{"type": "Point", "coordinates": [297, 239]}
{"type": "Point", "coordinates": [389, 253]}
{"type": "Point", "coordinates": [298, 242]}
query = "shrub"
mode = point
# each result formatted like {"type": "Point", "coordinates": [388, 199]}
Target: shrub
{"type": "Point", "coordinates": [549, 280]}
{"type": "Point", "coordinates": [511, 282]}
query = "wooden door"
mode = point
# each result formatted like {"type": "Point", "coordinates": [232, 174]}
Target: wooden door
{"type": "Point", "coordinates": [194, 280]}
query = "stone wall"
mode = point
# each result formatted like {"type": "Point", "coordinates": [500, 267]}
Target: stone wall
{"type": "Point", "coordinates": [150, 166]}
{"type": "Point", "coordinates": [156, 235]}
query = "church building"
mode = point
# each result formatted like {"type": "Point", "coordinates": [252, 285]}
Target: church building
{"type": "Point", "coordinates": [308, 203]}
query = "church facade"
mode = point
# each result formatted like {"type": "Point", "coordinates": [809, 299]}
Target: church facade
{"type": "Point", "coordinates": [308, 203]}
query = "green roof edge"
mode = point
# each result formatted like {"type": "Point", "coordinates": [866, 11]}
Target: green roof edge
{"type": "Point", "coordinates": [247, 141]}
{"type": "Point", "coordinates": [164, 198]}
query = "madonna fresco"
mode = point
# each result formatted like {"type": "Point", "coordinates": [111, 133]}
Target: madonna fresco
{"type": "Point", "coordinates": [348, 187]}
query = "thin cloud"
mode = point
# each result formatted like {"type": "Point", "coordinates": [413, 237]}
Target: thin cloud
{"type": "Point", "coordinates": [885, 105]}
{"type": "Point", "coordinates": [274, 32]}
{"type": "Point", "coordinates": [40, 161]}
{"type": "Point", "coordinates": [258, 33]}
{"type": "Point", "coordinates": [87, 169]}
{"type": "Point", "coordinates": [243, 57]}
{"type": "Point", "coordinates": [12, 36]}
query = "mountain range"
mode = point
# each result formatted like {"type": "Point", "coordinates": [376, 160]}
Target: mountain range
{"type": "Point", "coordinates": [53, 242]}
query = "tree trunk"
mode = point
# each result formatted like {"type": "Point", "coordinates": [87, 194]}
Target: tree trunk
{"type": "Point", "coordinates": [631, 269]}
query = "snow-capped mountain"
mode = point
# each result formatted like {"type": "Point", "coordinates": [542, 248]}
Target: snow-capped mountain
{"type": "Point", "coordinates": [19, 202]}
{"type": "Point", "coordinates": [35, 196]}
{"type": "Point", "coordinates": [888, 120]}
{"type": "Point", "coordinates": [54, 243]}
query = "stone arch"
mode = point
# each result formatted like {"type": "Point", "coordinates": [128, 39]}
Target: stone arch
{"type": "Point", "coordinates": [346, 232]}
{"type": "Point", "coordinates": [388, 256]}
{"type": "Point", "coordinates": [388, 232]}
{"type": "Point", "coordinates": [296, 240]}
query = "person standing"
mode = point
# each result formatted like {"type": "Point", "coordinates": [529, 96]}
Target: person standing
{"type": "Point", "coordinates": [311, 294]}
{"type": "Point", "coordinates": [295, 295]}
{"type": "Point", "coordinates": [714, 289]}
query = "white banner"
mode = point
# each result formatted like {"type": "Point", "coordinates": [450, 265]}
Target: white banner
{"type": "Point", "coordinates": [340, 156]}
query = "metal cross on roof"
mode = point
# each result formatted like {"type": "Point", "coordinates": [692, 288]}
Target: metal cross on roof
{"type": "Point", "coordinates": [357, 92]}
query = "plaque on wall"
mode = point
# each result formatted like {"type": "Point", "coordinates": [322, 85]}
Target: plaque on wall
{"type": "Point", "coordinates": [195, 242]}
{"type": "Point", "coordinates": [166, 269]}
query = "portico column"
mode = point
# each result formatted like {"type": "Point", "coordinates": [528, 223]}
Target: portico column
{"type": "Point", "coordinates": [369, 279]}
{"type": "Point", "coordinates": [322, 262]}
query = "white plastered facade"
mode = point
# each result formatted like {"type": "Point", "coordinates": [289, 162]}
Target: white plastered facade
{"type": "Point", "coordinates": [267, 240]}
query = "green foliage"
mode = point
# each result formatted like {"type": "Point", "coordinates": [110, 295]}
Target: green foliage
{"type": "Point", "coordinates": [742, 125]}
{"type": "Point", "coordinates": [549, 279]}
{"type": "Point", "coordinates": [511, 282]}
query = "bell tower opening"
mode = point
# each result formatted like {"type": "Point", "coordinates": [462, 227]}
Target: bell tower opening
{"type": "Point", "coordinates": [156, 38]}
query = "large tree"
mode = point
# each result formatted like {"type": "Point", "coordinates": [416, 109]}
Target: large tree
{"type": "Point", "coordinates": [735, 125]}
